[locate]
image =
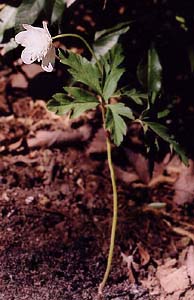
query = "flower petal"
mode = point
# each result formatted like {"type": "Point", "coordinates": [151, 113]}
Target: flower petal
{"type": "Point", "coordinates": [22, 38]}
{"type": "Point", "coordinates": [27, 26]}
{"type": "Point", "coordinates": [31, 28]}
{"type": "Point", "coordinates": [49, 60]}
{"type": "Point", "coordinates": [27, 56]}
{"type": "Point", "coordinates": [32, 38]}
{"type": "Point", "coordinates": [44, 24]}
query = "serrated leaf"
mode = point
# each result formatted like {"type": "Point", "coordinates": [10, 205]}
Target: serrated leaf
{"type": "Point", "coordinates": [121, 109]}
{"type": "Point", "coordinates": [114, 121]}
{"type": "Point", "coordinates": [60, 104]}
{"type": "Point", "coordinates": [7, 19]}
{"type": "Point", "coordinates": [113, 71]}
{"type": "Point", "coordinates": [77, 101]}
{"type": "Point", "coordinates": [28, 12]}
{"type": "Point", "coordinates": [82, 70]}
{"type": "Point", "coordinates": [162, 131]}
{"type": "Point", "coordinates": [80, 94]}
{"type": "Point", "coordinates": [154, 74]}
{"type": "Point", "coordinates": [132, 94]}
{"type": "Point", "coordinates": [105, 39]}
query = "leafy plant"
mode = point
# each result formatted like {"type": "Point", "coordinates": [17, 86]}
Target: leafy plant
{"type": "Point", "coordinates": [103, 81]}
{"type": "Point", "coordinates": [103, 78]}
{"type": "Point", "coordinates": [97, 85]}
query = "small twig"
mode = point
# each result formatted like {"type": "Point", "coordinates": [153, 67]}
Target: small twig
{"type": "Point", "coordinates": [180, 231]}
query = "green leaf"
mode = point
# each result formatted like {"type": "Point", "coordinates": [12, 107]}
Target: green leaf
{"type": "Point", "coordinates": [82, 70]}
{"type": "Point", "coordinates": [77, 101]}
{"type": "Point", "coordinates": [7, 19]}
{"type": "Point", "coordinates": [113, 71]}
{"type": "Point", "coordinates": [58, 10]}
{"type": "Point", "coordinates": [162, 132]}
{"type": "Point", "coordinates": [163, 113]}
{"type": "Point", "coordinates": [28, 12]}
{"type": "Point", "coordinates": [80, 94]}
{"type": "Point", "coordinates": [132, 94]}
{"type": "Point", "coordinates": [154, 74]}
{"type": "Point", "coordinates": [105, 39]}
{"type": "Point", "coordinates": [149, 73]}
{"type": "Point", "coordinates": [114, 121]}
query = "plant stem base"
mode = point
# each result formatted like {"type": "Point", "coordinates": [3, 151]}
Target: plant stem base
{"type": "Point", "coordinates": [114, 220]}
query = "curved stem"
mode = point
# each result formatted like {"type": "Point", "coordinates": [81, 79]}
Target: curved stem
{"type": "Point", "coordinates": [85, 43]}
{"type": "Point", "coordinates": [115, 213]}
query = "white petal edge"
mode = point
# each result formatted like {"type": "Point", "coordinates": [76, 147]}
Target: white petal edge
{"type": "Point", "coordinates": [48, 68]}
{"type": "Point", "coordinates": [44, 24]}
{"type": "Point", "coordinates": [27, 26]}
{"type": "Point", "coordinates": [21, 38]}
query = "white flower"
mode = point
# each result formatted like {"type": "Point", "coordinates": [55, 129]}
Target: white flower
{"type": "Point", "coordinates": [69, 2]}
{"type": "Point", "coordinates": [38, 46]}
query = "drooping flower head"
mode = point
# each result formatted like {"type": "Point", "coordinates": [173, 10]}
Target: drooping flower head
{"type": "Point", "coordinates": [38, 46]}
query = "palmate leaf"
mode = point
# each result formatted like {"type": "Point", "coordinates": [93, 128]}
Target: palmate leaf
{"type": "Point", "coordinates": [76, 102]}
{"type": "Point", "coordinates": [82, 70]}
{"type": "Point", "coordinates": [114, 121]}
{"type": "Point", "coordinates": [111, 62]}
{"type": "Point", "coordinates": [105, 39]}
{"type": "Point", "coordinates": [162, 132]}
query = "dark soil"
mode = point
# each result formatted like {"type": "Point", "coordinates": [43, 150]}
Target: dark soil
{"type": "Point", "coordinates": [56, 210]}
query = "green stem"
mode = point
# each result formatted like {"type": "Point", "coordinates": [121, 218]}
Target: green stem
{"type": "Point", "coordinates": [115, 213]}
{"type": "Point", "coordinates": [85, 43]}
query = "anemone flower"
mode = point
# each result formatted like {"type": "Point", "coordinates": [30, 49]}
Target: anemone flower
{"type": "Point", "coordinates": [38, 46]}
